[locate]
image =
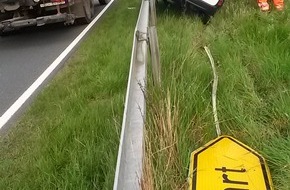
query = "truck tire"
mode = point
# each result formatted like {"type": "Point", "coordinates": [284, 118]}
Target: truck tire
{"type": "Point", "coordinates": [89, 11]}
{"type": "Point", "coordinates": [104, 2]}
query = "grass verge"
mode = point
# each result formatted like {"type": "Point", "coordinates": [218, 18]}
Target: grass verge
{"type": "Point", "coordinates": [69, 137]}
{"type": "Point", "coordinates": [252, 52]}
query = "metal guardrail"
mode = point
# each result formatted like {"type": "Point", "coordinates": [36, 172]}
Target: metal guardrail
{"type": "Point", "coordinates": [129, 167]}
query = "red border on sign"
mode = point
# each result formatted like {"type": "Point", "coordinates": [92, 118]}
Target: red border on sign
{"type": "Point", "coordinates": [262, 162]}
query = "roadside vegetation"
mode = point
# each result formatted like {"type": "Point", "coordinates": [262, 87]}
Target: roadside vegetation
{"type": "Point", "coordinates": [69, 137]}
{"type": "Point", "coordinates": [252, 53]}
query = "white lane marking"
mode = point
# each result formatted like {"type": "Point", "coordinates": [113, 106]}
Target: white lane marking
{"type": "Point", "coordinates": [26, 95]}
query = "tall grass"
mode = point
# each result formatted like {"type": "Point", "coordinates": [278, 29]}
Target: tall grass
{"type": "Point", "coordinates": [69, 137]}
{"type": "Point", "coordinates": [252, 53]}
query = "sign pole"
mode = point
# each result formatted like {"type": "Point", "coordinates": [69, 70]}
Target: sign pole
{"type": "Point", "coordinates": [226, 163]}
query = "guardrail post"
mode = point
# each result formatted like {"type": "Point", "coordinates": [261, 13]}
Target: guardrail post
{"type": "Point", "coordinates": [153, 44]}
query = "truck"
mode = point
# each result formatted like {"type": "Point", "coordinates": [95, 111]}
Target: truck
{"type": "Point", "coordinates": [17, 14]}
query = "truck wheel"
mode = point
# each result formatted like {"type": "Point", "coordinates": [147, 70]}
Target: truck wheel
{"type": "Point", "coordinates": [104, 2]}
{"type": "Point", "coordinates": [89, 11]}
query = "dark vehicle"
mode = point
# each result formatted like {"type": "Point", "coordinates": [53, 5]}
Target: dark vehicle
{"type": "Point", "coordinates": [16, 14]}
{"type": "Point", "coordinates": [208, 7]}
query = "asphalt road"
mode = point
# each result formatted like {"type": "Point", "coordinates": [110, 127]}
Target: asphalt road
{"type": "Point", "coordinates": [24, 55]}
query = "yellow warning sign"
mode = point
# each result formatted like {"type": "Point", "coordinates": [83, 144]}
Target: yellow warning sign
{"type": "Point", "coordinates": [227, 164]}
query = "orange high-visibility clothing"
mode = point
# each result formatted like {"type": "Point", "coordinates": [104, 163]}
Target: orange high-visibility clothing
{"type": "Point", "coordinates": [276, 2]}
